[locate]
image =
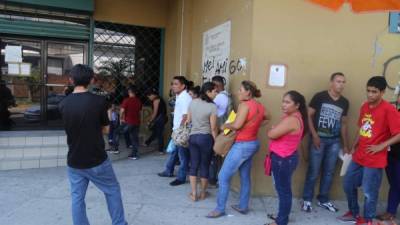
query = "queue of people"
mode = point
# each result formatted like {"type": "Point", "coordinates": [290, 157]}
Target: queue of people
{"type": "Point", "coordinates": [204, 110]}
{"type": "Point", "coordinates": [324, 119]}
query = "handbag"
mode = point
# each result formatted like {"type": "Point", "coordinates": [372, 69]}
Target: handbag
{"type": "Point", "coordinates": [223, 142]}
{"type": "Point", "coordinates": [181, 136]}
{"type": "Point", "coordinates": [267, 165]}
{"type": "Point", "coordinates": [151, 124]}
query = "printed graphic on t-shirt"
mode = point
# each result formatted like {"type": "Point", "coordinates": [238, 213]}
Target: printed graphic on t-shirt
{"type": "Point", "coordinates": [329, 121]}
{"type": "Point", "coordinates": [366, 126]}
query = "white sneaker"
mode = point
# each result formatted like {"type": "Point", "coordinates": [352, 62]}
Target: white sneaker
{"type": "Point", "coordinates": [306, 206]}
{"type": "Point", "coordinates": [328, 206]}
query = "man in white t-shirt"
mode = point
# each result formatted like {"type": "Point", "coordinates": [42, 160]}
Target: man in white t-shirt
{"type": "Point", "coordinates": [223, 102]}
{"type": "Point", "coordinates": [222, 99]}
{"type": "Point", "coordinates": [182, 103]}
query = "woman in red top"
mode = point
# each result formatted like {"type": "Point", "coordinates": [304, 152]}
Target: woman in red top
{"type": "Point", "coordinates": [285, 139]}
{"type": "Point", "coordinates": [249, 117]}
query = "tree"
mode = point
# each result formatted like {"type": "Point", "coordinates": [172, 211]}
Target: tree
{"type": "Point", "coordinates": [118, 72]}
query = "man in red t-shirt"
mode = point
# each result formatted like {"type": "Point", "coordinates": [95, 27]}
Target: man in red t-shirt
{"type": "Point", "coordinates": [379, 127]}
{"type": "Point", "coordinates": [130, 119]}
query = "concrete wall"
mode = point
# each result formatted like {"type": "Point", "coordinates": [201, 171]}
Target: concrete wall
{"type": "Point", "coordinates": [314, 43]}
{"type": "Point", "coordinates": [150, 13]}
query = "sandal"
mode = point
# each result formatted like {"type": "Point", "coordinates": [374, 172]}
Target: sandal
{"type": "Point", "coordinates": [271, 216]}
{"type": "Point", "coordinates": [204, 195]}
{"type": "Point", "coordinates": [215, 214]}
{"type": "Point", "coordinates": [239, 210]}
{"type": "Point", "coordinates": [193, 197]}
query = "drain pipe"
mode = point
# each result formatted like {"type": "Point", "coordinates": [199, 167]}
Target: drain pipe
{"type": "Point", "coordinates": [181, 47]}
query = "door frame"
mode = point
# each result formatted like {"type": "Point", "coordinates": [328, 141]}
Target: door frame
{"type": "Point", "coordinates": [43, 81]}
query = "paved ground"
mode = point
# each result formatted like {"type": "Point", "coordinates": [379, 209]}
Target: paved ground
{"type": "Point", "coordinates": [41, 197]}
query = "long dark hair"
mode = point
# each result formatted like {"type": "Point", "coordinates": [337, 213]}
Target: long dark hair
{"type": "Point", "coordinates": [195, 90]}
{"type": "Point", "coordinates": [207, 86]}
{"type": "Point", "coordinates": [152, 91]}
{"type": "Point", "coordinates": [299, 99]}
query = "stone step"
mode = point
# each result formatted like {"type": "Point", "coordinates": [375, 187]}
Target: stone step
{"type": "Point", "coordinates": [56, 160]}
{"type": "Point", "coordinates": [32, 138]}
{"type": "Point", "coordinates": [43, 149]}
{"type": "Point", "coordinates": [33, 152]}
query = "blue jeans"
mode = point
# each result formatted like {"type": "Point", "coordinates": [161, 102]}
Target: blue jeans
{"type": "Point", "coordinates": [326, 157]}
{"type": "Point", "coordinates": [393, 175]}
{"type": "Point", "coordinates": [201, 150]}
{"type": "Point", "coordinates": [126, 130]}
{"type": "Point", "coordinates": [183, 154]}
{"type": "Point", "coordinates": [173, 158]}
{"type": "Point", "coordinates": [282, 171]}
{"type": "Point", "coordinates": [104, 178]}
{"type": "Point", "coordinates": [239, 158]}
{"type": "Point", "coordinates": [370, 180]}
{"type": "Point", "coordinates": [113, 127]}
{"type": "Point", "coordinates": [133, 133]}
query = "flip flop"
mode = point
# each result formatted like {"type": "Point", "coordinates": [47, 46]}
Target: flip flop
{"type": "Point", "coordinates": [204, 195]}
{"type": "Point", "coordinates": [272, 217]}
{"type": "Point", "coordinates": [215, 214]}
{"type": "Point", "coordinates": [239, 210]}
{"type": "Point", "coordinates": [194, 198]}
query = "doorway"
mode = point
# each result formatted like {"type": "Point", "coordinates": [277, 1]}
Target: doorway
{"type": "Point", "coordinates": [36, 73]}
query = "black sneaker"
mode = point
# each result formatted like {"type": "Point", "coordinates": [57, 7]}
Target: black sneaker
{"type": "Point", "coordinates": [165, 175]}
{"type": "Point", "coordinates": [176, 182]}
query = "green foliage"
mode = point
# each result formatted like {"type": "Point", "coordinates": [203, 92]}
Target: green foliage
{"type": "Point", "coordinates": [119, 70]}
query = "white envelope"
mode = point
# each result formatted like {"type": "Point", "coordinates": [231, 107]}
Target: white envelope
{"type": "Point", "coordinates": [346, 158]}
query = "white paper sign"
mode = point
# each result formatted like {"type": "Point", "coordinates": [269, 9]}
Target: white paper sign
{"type": "Point", "coordinates": [25, 69]}
{"type": "Point", "coordinates": [13, 69]}
{"type": "Point", "coordinates": [216, 51]}
{"type": "Point", "coordinates": [277, 75]}
{"type": "Point", "coordinates": [13, 54]}
{"type": "Point", "coordinates": [347, 158]}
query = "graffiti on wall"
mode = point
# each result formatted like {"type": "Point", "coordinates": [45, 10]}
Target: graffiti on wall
{"type": "Point", "coordinates": [226, 67]}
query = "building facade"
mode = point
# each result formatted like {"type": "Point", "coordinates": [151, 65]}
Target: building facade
{"type": "Point", "coordinates": [310, 41]}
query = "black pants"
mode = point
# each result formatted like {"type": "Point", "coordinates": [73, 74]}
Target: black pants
{"type": "Point", "coordinates": [158, 133]}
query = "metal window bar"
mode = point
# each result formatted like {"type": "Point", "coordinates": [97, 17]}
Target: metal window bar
{"type": "Point", "coordinates": [125, 55]}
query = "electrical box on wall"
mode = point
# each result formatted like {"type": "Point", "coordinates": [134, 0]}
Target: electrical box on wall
{"type": "Point", "coordinates": [394, 22]}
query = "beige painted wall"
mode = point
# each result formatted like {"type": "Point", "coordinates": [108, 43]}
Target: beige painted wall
{"type": "Point", "coordinates": [314, 43]}
{"type": "Point", "coordinates": [150, 13]}
{"type": "Point", "coordinates": [208, 14]}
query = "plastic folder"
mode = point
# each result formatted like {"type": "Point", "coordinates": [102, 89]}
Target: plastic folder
{"type": "Point", "coordinates": [231, 118]}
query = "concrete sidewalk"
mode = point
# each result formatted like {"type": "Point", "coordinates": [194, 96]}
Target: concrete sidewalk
{"type": "Point", "coordinates": [41, 197]}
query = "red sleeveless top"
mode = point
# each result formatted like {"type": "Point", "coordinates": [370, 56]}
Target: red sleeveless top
{"type": "Point", "coordinates": [249, 130]}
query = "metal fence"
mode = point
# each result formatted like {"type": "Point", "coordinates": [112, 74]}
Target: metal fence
{"type": "Point", "coordinates": [125, 55]}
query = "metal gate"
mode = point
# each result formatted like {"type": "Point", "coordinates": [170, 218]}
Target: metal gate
{"type": "Point", "coordinates": [126, 55]}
